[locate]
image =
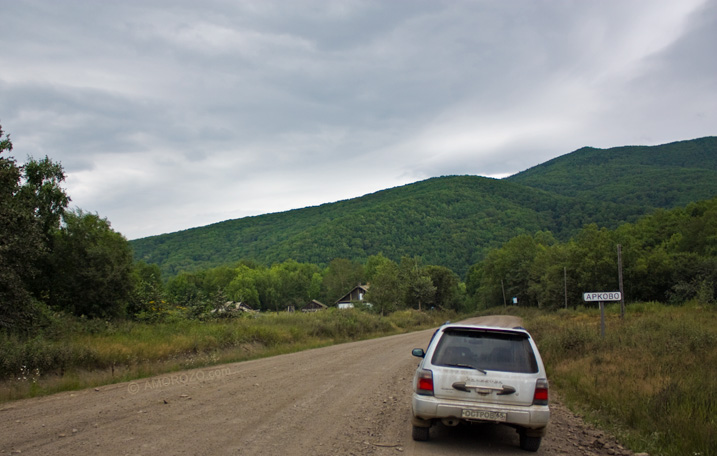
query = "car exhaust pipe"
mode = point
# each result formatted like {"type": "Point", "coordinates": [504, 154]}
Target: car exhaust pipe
{"type": "Point", "coordinates": [450, 422]}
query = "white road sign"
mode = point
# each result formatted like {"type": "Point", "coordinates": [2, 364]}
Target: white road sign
{"type": "Point", "coordinates": [602, 296]}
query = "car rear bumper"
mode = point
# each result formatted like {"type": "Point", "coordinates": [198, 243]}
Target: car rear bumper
{"type": "Point", "coordinates": [427, 408]}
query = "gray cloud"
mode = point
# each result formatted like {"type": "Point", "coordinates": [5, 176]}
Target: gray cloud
{"type": "Point", "coordinates": [168, 115]}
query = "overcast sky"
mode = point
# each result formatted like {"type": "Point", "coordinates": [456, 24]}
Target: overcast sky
{"type": "Point", "coordinates": [168, 115]}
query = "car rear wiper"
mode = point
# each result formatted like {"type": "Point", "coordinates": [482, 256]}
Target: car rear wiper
{"type": "Point", "coordinates": [466, 366]}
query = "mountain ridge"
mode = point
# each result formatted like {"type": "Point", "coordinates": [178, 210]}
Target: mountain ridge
{"type": "Point", "coordinates": [454, 220]}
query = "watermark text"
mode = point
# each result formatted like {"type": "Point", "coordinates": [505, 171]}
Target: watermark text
{"type": "Point", "coordinates": [178, 379]}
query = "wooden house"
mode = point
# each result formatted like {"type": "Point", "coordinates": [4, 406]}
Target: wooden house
{"type": "Point", "coordinates": [314, 306]}
{"type": "Point", "coordinates": [356, 294]}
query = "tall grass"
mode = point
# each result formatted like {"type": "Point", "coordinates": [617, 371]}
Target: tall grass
{"type": "Point", "coordinates": [652, 380]}
{"type": "Point", "coordinates": [85, 354]}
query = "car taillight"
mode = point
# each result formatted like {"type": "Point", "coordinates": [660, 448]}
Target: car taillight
{"type": "Point", "coordinates": [424, 385]}
{"type": "Point", "coordinates": [540, 397]}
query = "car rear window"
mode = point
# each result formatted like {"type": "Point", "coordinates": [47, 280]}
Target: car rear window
{"type": "Point", "coordinates": [487, 350]}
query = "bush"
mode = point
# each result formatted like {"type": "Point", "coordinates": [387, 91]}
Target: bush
{"type": "Point", "coordinates": [650, 380]}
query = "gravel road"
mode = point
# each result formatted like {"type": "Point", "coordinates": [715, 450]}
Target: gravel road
{"type": "Point", "coordinates": [348, 399]}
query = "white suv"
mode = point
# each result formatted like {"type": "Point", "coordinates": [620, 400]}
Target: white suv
{"type": "Point", "coordinates": [474, 373]}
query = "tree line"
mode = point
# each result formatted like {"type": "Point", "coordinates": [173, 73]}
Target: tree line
{"type": "Point", "coordinates": [55, 261]}
{"type": "Point", "coordinates": [669, 256]}
{"type": "Point", "coordinates": [290, 284]}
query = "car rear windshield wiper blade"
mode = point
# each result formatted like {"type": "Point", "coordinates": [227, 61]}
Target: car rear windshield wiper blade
{"type": "Point", "coordinates": [466, 366]}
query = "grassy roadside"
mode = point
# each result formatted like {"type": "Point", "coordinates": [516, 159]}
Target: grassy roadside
{"type": "Point", "coordinates": [88, 354]}
{"type": "Point", "coordinates": [651, 381]}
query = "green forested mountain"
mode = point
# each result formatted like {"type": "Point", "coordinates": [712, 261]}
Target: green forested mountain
{"type": "Point", "coordinates": [663, 176]}
{"type": "Point", "coordinates": [453, 221]}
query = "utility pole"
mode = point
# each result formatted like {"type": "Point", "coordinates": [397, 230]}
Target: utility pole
{"type": "Point", "coordinates": [503, 288]}
{"type": "Point", "coordinates": [565, 281]}
{"type": "Point", "coordinates": [619, 276]}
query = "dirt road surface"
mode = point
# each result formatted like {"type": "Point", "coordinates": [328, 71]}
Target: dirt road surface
{"type": "Point", "coordinates": [349, 399]}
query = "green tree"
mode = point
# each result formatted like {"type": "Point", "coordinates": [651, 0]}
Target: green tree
{"type": "Point", "coordinates": [31, 204]}
{"type": "Point", "coordinates": [243, 287]}
{"type": "Point", "coordinates": [670, 255]}
{"type": "Point", "coordinates": [218, 278]}
{"type": "Point", "coordinates": [474, 277]}
{"type": "Point", "coordinates": [371, 266]}
{"type": "Point", "coordinates": [147, 290]}
{"type": "Point", "coordinates": [417, 286]}
{"type": "Point", "coordinates": [340, 277]}
{"type": "Point", "coordinates": [508, 268]}
{"type": "Point", "coordinates": [548, 274]}
{"type": "Point", "coordinates": [267, 285]}
{"type": "Point", "coordinates": [511, 271]}
{"type": "Point", "coordinates": [421, 292]}
{"type": "Point", "coordinates": [184, 290]}
{"type": "Point", "coordinates": [386, 292]}
{"type": "Point", "coordinates": [447, 285]}
{"type": "Point", "coordinates": [593, 259]}
{"type": "Point", "coordinates": [43, 192]}
{"type": "Point", "coordinates": [20, 246]}
{"type": "Point", "coordinates": [293, 283]}
{"type": "Point", "coordinates": [92, 267]}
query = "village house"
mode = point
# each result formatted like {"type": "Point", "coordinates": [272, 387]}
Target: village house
{"type": "Point", "coordinates": [314, 306]}
{"type": "Point", "coordinates": [356, 294]}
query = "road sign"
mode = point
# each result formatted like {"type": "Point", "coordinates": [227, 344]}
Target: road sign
{"type": "Point", "coordinates": [602, 296]}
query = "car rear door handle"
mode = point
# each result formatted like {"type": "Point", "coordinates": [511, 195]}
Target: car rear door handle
{"type": "Point", "coordinates": [480, 389]}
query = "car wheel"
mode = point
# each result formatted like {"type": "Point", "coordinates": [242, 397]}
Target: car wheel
{"type": "Point", "coordinates": [529, 443]}
{"type": "Point", "coordinates": [420, 434]}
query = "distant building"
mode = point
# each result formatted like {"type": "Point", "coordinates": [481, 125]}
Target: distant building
{"type": "Point", "coordinates": [232, 307]}
{"type": "Point", "coordinates": [314, 306]}
{"type": "Point", "coordinates": [356, 294]}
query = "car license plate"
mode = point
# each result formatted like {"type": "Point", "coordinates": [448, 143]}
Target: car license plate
{"type": "Point", "coordinates": [487, 415]}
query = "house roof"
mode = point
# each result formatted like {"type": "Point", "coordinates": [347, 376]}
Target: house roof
{"type": "Point", "coordinates": [348, 296]}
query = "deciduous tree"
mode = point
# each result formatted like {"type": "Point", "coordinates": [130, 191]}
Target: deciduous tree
{"type": "Point", "coordinates": [340, 277]}
{"type": "Point", "coordinates": [92, 266]}
{"type": "Point", "coordinates": [385, 293]}
{"type": "Point", "coordinates": [20, 245]}
{"type": "Point", "coordinates": [31, 203]}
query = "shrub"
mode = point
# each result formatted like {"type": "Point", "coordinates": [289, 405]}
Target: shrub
{"type": "Point", "coordinates": [650, 380]}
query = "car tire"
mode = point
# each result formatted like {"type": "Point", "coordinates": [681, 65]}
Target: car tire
{"type": "Point", "coordinates": [420, 434]}
{"type": "Point", "coordinates": [528, 443]}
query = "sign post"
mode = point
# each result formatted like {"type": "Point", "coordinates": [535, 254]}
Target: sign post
{"type": "Point", "coordinates": [619, 278]}
{"type": "Point", "coordinates": [601, 297]}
